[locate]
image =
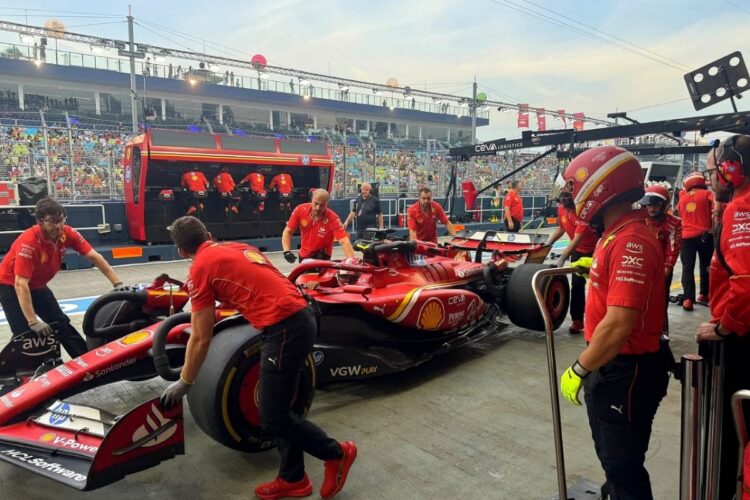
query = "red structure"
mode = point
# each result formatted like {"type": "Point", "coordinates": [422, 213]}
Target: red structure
{"type": "Point", "coordinates": [154, 162]}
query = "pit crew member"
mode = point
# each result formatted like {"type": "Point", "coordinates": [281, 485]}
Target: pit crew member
{"type": "Point", "coordinates": [241, 277]}
{"type": "Point", "coordinates": [194, 181]}
{"type": "Point", "coordinates": [695, 208]}
{"type": "Point", "coordinates": [32, 261]}
{"type": "Point", "coordinates": [621, 370]}
{"type": "Point", "coordinates": [224, 183]}
{"type": "Point", "coordinates": [729, 170]}
{"type": "Point", "coordinates": [423, 218]}
{"type": "Point", "coordinates": [319, 227]}
{"type": "Point", "coordinates": [582, 242]}
{"type": "Point", "coordinates": [513, 205]}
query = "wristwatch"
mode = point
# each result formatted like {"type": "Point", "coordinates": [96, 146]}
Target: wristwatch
{"type": "Point", "coordinates": [718, 332]}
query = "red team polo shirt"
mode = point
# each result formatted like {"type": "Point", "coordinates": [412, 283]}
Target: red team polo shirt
{"type": "Point", "coordinates": [239, 276]}
{"type": "Point", "coordinates": [425, 224]}
{"type": "Point", "coordinates": [33, 256]}
{"type": "Point", "coordinates": [282, 182]}
{"type": "Point", "coordinates": [695, 209]}
{"type": "Point", "coordinates": [194, 181]}
{"type": "Point", "coordinates": [514, 205]}
{"type": "Point", "coordinates": [257, 181]}
{"type": "Point", "coordinates": [224, 182]}
{"type": "Point", "coordinates": [316, 234]}
{"type": "Point", "coordinates": [729, 297]}
{"type": "Point", "coordinates": [573, 226]}
{"type": "Point", "coordinates": [628, 271]}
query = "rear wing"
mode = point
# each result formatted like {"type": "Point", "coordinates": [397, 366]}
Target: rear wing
{"type": "Point", "coordinates": [86, 448]}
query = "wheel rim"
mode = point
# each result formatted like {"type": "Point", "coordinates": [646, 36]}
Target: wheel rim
{"type": "Point", "coordinates": [250, 395]}
{"type": "Point", "coordinates": [555, 300]}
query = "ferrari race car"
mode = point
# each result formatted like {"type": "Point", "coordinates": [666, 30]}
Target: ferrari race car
{"type": "Point", "coordinates": [402, 304]}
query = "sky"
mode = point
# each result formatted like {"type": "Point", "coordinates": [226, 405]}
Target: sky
{"type": "Point", "coordinates": [442, 45]}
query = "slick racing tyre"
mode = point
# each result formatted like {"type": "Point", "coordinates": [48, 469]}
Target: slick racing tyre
{"type": "Point", "coordinates": [521, 306]}
{"type": "Point", "coordinates": [224, 399]}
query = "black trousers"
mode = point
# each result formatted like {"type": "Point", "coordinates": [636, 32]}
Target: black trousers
{"type": "Point", "coordinates": [516, 225]}
{"type": "Point", "coordinates": [621, 400]}
{"type": "Point", "coordinates": [736, 377]}
{"type": "Point", "coordinates": [46, 307]}
{"type": "Point", "coordinates": [578, 290]}
{"type": "Point", "coordinates": [283, 351]}
{"type": "Point", "coordinates": [319, 255]}
{"type": "Point", "coordinates": [667, 286]}
{"type": "Point", "coordinates": [704, 247]}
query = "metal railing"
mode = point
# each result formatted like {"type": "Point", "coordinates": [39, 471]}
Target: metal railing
{"type": "Point", "coordinates": [201, 75]}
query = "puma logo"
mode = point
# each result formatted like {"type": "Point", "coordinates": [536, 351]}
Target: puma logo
{"type": "Point", "coordinates": [273, 361]}
{"type": "Point", "coordinates": [618, 410]}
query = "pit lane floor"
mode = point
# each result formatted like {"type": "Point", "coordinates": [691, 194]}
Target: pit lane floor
{"type": "Point", "coordinates": [472, 424]}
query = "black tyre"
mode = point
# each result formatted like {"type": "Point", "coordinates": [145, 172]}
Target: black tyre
{"type": "Point", "coordinates": [520, 304]}
{"type": "Point", "coordinates": [224, 399]}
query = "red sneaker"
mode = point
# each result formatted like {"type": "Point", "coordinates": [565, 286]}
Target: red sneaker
{"type": "Point", "coordinates": [278, 488]}
{"type": "Point", "coordinates": [337, 470]}
{"type": "Point", "coordinates": [702, 299]}
{"type": "Point", "coordinates": [687, 304]}
{"type": "Point", "coordinates": [576, 327]}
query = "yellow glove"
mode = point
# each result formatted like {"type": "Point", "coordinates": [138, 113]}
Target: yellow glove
{"type": "Point", "coordinates": [583, 263]}
{"type": "Point", "coordinates": [571, 382]}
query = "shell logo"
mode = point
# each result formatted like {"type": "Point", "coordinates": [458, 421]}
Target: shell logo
{"type": "Point", "coordinates": [43, 258]}
{"type": "Point", "coordinates": [135, 337]}
{"type": "Point", "coordinates": [431, 315]}
{"type": "Point", "coordinates": [48, 437]}
{"type": "Point", "coordinates": [303, 223]}
{"type": "Point", "coordinates": [254, 256]}
{"type": "Point", "coordinates": [581, 174]}
{"type": "Point", "coordinates": [194, 177]}
{"type": "Point", "coordinates": [690, 207]}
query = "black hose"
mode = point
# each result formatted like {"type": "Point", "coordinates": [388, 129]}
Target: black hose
{"type": "Point", "coordinates": [159, 349]}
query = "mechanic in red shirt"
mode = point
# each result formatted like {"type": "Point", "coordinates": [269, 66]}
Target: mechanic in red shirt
{"type": "Point", "coordinates": [319, 227]}
{"type": "Point", "coordinates": [622, 372]}
{"type": "Point", "coordinates": [241, 277]}
{"type": "Point", "coordinates": [423, 217]}
{"type": "Point", "coordinates": [224, 183]}
{"type": "Point", "coordinates": [32, 261]}
{"type": "Point", "coordinates": [582, 242]}
{"type": "Point", "coordinates": [513, 214]}
{"type": "Point", "coordinates": [695, 208]}
{"type": "Point", "coordinates": [257, 182]}
{"type": "Point", "coordinates": [729, 168]}
{"type": "Point", "coordinates": [669, 227]}
{"type": "Point", "coordinates": [194, 181]}
{"type": "Point", "coordinates": [284, 186]}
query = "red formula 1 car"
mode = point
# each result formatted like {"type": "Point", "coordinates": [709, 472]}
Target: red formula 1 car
{"type": "Point", "coordinates": [401, 305]}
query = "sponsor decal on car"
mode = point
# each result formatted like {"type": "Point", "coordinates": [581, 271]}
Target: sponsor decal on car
{"type": "Point", "coordinates": [103, 352]}
{"type": "Point", "coordinates": [18, 393]}
{"type": "Point", "coordinates": [109, 369]}
{"type": "Point", "coordinates": [43, 464]}
{"type": "Point", "coordinates": [318, 357]}
{"type": "Point", "coordinates": [64, 371]}
{"type": "Point", "coordinates": [6, 402]}
{"type": "Point", "coordinates": [135, 338]}
{"type": "Point", "coordinates": [59, 414]}
{"type": "Point", "coordinates": [153, 426]}
{"type": "Point", "coordinates": [36, 346]}
{"type": "Point", "coordinates": [431, 315]}
{"type": "Point", "coordinates": [80, 363]}
{"type": "Point", "coordinates": [68, 443]}
{"type": "Point", "coordinates": [353, 371]}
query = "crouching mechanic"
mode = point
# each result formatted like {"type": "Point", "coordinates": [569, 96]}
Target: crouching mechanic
{"type": "Point", "coordinates": [32, 261]}
{"type": "Point", "coordinates": [621, 370]}
{"type": "Point", "coordinates": [241, 277]}
{"type": "Point", "coordinates": [319, 227]}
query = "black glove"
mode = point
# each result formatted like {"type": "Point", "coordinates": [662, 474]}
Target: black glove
{"type": "Point", "coordinates": [289, 256]}
{"type": "Point", "coordinates": [41, 328]}
{"type": "Point", "coordinates": [120, 287]}
{"type": "Point", "coordinates": [173, 394]}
